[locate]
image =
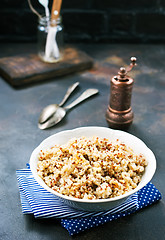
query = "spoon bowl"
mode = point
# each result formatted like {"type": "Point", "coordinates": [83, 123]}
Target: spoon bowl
{"type": "Point", "coordinates": [57, 117]}
{"type": "Point", "coordinates": [48, 111]}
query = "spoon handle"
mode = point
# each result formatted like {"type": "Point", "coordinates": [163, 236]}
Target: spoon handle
{"type": "Point", "coordinates": [47, 11]}
{"type": "Point", "coordinates": [55, 11]}
{"type": "Point", "coordinates": [68, 93]}
{"type": "Point", "coordinates": [88, 93]}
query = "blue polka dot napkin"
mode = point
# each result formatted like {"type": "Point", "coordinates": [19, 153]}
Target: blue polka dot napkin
{"type": "Point", "coordinates": [42, 204]}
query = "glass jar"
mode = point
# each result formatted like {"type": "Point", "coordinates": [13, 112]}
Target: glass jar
{"type": "Point", "coordinates": [50, 40]}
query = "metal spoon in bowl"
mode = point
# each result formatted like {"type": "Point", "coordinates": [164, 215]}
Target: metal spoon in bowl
{"type": "Point", "coordinates": [48, 111]}
{"type": "Point", "coordinates": [61, 112]}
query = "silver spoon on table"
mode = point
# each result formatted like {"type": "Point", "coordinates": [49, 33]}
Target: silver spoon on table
{"type": "Point", "coordinates": [61, 112]}
{"type": "Point", "coordinates": [48, 111]}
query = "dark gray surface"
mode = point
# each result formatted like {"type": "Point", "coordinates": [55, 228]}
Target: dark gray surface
{"type": "Point", "coordinates": [19, 135]}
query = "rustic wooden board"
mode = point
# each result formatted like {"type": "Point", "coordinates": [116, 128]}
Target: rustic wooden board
{"type": "Point", "coordinates": [21, 70]}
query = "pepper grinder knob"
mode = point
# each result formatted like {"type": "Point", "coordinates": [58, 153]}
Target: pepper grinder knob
{"type": "Point", "coordinates": [133, 60]}
{"type": "Point", "coordinates": [119, 114]}
{"type": "Point", "coordinates": [122, 73]}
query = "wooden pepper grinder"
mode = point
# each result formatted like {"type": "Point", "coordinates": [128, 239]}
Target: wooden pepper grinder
{"type": "Point", "coordinates": [119, 114]}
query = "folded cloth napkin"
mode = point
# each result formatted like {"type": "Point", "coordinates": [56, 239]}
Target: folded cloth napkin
{"type": "Point", "coordinates": [36, 200]}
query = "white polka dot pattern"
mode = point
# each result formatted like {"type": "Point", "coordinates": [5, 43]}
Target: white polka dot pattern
{"type": "Point", "coordinates": [146, 196]}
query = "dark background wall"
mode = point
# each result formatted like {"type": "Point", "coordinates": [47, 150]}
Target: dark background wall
{"type": "Point", "coordinates": [89, 20]}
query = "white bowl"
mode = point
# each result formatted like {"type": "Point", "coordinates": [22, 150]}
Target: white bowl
{"type": "Point", "coordinates": [100, 204]}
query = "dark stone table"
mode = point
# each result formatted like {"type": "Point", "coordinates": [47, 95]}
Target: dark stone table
{"type": "Point", "coordinates": [19, 135]}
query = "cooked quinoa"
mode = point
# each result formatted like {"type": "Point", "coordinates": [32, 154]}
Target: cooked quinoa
{"type": "Point", "coordinates": [91, 168]}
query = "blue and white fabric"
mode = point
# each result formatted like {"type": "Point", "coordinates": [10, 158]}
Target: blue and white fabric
{"type": "Point", "coordinates": [42, 204]}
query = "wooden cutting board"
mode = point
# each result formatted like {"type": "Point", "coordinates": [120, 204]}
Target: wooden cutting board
{"type": "Point", "coordinates": [26, 69]}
